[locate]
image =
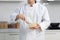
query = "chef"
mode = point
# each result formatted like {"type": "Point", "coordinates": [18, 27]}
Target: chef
{"type": "Point", "coordinates": [34, 19]}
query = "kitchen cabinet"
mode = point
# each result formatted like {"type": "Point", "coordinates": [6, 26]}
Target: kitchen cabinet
{"type": "Point", "coordinates": [12, 36]}
{"type": "Point", "coordinates": [2, 36]}
{"type": "Point", "coordinates": [52, 35]}
{"type": "Point", "coordinates": [9, 35]}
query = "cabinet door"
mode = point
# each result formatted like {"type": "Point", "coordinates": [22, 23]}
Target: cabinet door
{"type": "Point", "coordinates": [2, 36]}
{"type": "Point", "coordinates": [53, 35]}
{"type": "Point", "coordinates": [12, 36]}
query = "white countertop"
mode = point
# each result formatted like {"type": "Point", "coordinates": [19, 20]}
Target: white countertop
{"type": "Point", "coordinates": [9, 30]}
{"type": "Point", "coordinates": [17, 30]}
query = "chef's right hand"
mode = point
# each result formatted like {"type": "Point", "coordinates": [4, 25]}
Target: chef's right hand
{"type": "Point", "coordinates": [20, 16]}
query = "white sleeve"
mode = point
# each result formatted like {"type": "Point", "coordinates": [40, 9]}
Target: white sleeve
{"type": "Point", "coordinates": [16, 12]}
{"type": "Point", "coordinates": [46, 20]}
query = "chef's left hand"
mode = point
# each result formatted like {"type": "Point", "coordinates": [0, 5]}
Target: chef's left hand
{"type": "Point", "coordinates": [34, 26]}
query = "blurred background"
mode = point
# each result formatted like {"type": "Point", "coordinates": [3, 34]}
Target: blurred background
{"type": "Point", "coordinates": [7, 7]}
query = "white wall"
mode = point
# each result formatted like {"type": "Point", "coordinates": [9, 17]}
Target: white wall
{"type": "Point", "coordinates": [6, 8]}
{"type": "Point", "coordinates": [54, 11]}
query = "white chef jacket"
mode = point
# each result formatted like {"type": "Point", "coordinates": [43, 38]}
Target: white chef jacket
{"type": "Point", "coordinates": [36, 14]}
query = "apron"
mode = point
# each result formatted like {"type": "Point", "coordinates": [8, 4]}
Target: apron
{"type": "Point", "coordinates": [31, 16]}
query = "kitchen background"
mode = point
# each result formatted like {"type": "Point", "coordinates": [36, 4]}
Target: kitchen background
{"type": "Point", "coordinates": [7, 7]}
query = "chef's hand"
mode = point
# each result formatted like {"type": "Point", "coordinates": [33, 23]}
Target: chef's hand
{"type": "Point", "coordinates": [20, 16]}
{"type": "Point", "coordinates": [34, 26]}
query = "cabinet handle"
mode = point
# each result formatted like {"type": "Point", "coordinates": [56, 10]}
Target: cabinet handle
{"type": "Point", "coordinates": [13, 34]}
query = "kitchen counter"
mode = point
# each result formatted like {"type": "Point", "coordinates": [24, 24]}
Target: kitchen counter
{"type": "Point", "coordinates": [9, 30]}
{"type": "Point", "coordinates": [13, 34]}
{"type": "Point", "coordinates": [17, 30]}
{"type": "Point", "coordinates": [9, 34]}
{"type": "Point", "coordinates": [52, 35]}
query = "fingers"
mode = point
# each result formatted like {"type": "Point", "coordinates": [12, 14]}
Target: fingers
{"type": "Point", "coordinates": [31, 28]}
{"type": "Point", "coordinates": [34, 26]}
{"type": "Point", "coordinates": [17, 17]}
